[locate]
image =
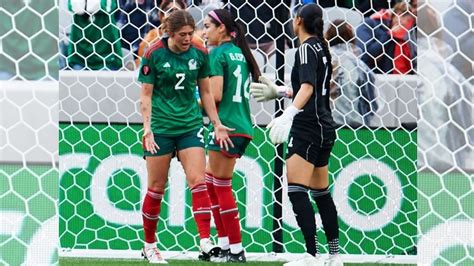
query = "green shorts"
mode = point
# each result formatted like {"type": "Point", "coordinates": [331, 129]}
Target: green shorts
{"type": "Point", "coordinates": [240, 144]}
{"type": "Point", "coordinates": [171, 144]}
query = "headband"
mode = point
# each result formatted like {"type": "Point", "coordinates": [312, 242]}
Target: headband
{"type": "Point", "coordinates": [214, 15]}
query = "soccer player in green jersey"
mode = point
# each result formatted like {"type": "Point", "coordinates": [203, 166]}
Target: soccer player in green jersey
{"type": "Point", "coordinates": [231, 67]}
{"type": "Point", "coordinates": [172, 122]}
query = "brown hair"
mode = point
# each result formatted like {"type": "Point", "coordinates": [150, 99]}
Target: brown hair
{"type": "Point", "coordinates": [177, 20]}
{"type": "Point", "coordinates": [235, 30]}
{"type": "Point", "coordinates": [340, 31]}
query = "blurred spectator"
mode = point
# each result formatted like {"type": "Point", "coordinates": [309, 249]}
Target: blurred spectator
{"type": "Point", "coordinates": [352, 86]}
{"type": "Point", "coordinates": [460, 36]}
{"type": "Point", "coordinates": [166, 8]}
{"type": "Point", "coordinates": [388, 40]}
{"type": "Point", "coordinates": [135, 18]}
{"type": "Point", "coordinates": [95, 39]}
{"type": "Point", "coordinates": [445, 101]}
{"type": "Point", "coordinates": [364, 6]}
{"type": "Point", "coordinates": [28, 47]}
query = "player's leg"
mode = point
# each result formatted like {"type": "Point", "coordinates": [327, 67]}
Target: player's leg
{"type": "Point", "coordinates": [193, 159]}
{"type": "Point", "coordinates": [223, 240]}
{"type": "Point", "coordinates": [299, 173]}
{"type": "Point", "coordinates": [157, 168]}
{"type": "Point", "coordinates": [223, 168]}
{"type": "Point", "coordinates": [320, 192]}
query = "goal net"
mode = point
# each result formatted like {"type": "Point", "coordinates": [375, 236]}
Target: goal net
{"type": "Point", "coordinates": [402, 181]}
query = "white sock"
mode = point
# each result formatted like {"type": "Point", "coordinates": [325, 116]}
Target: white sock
{"type": "Point", "coordinates": [223, 242]}
{"type": "Point", "coordinates": [203, 241]}
{"type": "Point", "coordinates": [236, 248]}
{"type": "Point", "coordinates": [150, 245]}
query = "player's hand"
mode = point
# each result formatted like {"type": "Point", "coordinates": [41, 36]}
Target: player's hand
{"type": "Point", "coordinates": [261, 92]}
{"type": "Point", "coordinates": [222, 136]}
{"type": "Point", "coordinates": [280, 127]}
{"type": "Point", "coordinates": [148, 142]}
{"type": "Point", "coordinates": [267, 90]}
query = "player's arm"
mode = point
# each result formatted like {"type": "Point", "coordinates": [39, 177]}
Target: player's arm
{"type": "Point", "coordinates": [145, 109]}
{"type": "Point", "coordinates": [280, 126]}
{"type": "Point", "coordinates": [209, 105]}
{"type": "Point", "coordinates": [217, 85]}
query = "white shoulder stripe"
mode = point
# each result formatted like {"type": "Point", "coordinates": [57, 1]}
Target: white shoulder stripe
{"type": "Point", "coordinates": [303, 52]}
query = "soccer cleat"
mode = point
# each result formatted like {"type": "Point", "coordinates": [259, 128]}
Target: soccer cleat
{"type": "Point", "coordinates": [153, 256]}
{"type": "Point", "coordinates": [307, 260]}
{"type": "Point", "coordinates": [237, 258]}
{"type": "Point", "coordinates": [334, 260]}
{"type": "Point", "coordinates": [222, 256]}
{"type": "Point", "coordinates": [208, 250]}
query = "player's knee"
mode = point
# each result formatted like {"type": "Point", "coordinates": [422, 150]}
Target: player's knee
{"type": "Point", "coordinates": [157, 184]}
{"type": "Point", "coordinates": [194, 179]}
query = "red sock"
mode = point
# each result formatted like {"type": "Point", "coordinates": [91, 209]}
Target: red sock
{"type": "Point", "coordinates": [150, 213]}
{"type": "Point", "coordinates": [228, 209]}
{"type": "Point", "coordinates": [201, 209]}
{"type": "Point", "coordinates": [215, 206]}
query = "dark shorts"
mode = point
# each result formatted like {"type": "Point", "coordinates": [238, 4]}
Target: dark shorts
{"type": "Point", "coordinates": [240, 144]}
{"type": "Point", "coordinates": [311, 152]}
{"type": "Point", "coordinates": [172, 144]}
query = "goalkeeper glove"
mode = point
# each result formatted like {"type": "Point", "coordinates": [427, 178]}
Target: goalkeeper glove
{"type": "Point", "coordinates": [280, 126]}
{"type": "Point", "coordinates": [267, 90]}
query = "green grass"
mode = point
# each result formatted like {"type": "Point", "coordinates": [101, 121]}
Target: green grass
{"type": "Point", "coordinates": [101, 262]}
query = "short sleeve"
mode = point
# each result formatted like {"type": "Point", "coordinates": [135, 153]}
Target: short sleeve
{"type": "Point", "coordinates": [147, 71]}
{"type": "Point", "coordinates": [308, 64]}
{"type": "Point", "coordinates": [216, 63]}
{"type": "Point", "coordinates": [204, 70]}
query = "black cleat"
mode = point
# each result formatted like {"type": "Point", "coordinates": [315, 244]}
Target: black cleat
{"type": "Point", "coordinates": [213, 253]}
{"type": "Point", "coordinates": [237, 258]}
{"type": "Point", "coordinates": [222, 256]}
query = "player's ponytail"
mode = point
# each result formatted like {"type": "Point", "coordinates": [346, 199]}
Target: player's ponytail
{"type": "Point", "coordinates": [313, 23]}
{"type": "Point", "coordinates": [235, 30]}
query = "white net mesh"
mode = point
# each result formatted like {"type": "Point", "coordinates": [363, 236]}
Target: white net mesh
{"type": "Point", "coordinates": [28, 132]}
{"type": "Point", "coordinates": [392, 198]}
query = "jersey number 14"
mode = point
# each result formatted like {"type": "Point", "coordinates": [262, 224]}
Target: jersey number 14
{"type": "Point", "coordinates": [238, 89]}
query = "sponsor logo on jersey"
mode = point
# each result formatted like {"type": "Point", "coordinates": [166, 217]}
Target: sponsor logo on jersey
{"type": "Point", "coordinates": [145, 70]}
{"type": "Point", "coordinates": [192, 64]}
{"type": "Point", "coordinates": [167, 64]}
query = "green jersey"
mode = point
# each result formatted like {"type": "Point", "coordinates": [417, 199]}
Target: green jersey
{"type": "Point", "coordinates": [228, 61]}
{"type": "Point", "coordinates": [175, 110]}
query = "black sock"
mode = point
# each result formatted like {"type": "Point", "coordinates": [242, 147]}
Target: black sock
{"type": "Point", "coordinates": [328, 213]}
{"type": "Point", "coordinates": [304, 213]}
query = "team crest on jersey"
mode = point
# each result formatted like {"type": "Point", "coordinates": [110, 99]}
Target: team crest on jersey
{"type": "Point", "coordinates": [192, 64]}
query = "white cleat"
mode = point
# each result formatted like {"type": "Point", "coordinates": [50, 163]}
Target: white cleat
{"type": "Point", "coordinates": [307, 260]}
{"type": "Point", "coordinates": [153, 256]}
{"type": "Point", "coordinates": [209, 248]}
{"type": "Point", "coordinates": [334, 260]}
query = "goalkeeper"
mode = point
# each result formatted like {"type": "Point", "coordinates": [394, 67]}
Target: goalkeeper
{"type": "Point", "coordinates": [309, 125]}
{"type": "Point", "coordinates": [231, 64]}
{"type": "Point", "coordinates": [172, 122]}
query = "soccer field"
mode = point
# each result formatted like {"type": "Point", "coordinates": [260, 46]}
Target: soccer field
{"type": "Point", "coordinates": [94, 262]}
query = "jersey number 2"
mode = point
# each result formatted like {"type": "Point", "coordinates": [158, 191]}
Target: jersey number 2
{"type": "Point", "coordinates": [181, 77]}
{"type": "Point", "coordinates": [237, 98]}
